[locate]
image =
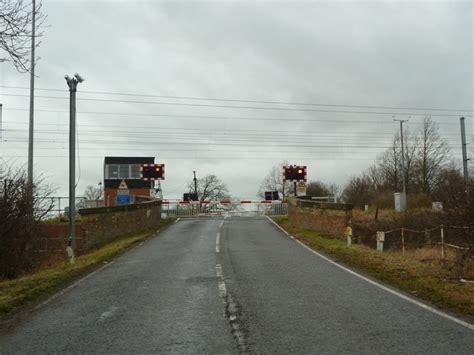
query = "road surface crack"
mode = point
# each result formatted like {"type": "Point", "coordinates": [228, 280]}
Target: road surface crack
{"type": "Point", "coordinates": [233, 313]}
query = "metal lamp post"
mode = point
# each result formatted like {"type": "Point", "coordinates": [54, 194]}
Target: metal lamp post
{"type": "Point", "coordinates": [72, 83]}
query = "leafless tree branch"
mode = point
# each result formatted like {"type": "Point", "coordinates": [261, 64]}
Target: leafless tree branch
{"type": "Point", "coordinates": [16, 18]}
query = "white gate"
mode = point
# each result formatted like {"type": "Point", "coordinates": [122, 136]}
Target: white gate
{"type": "Point", "coordinates": [218, 208]}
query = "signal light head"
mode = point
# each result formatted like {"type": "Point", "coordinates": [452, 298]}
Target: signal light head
{"type": "Point", "coordinates": [294, 173]}
{"type": "Point", "coordinates": [152, 172]}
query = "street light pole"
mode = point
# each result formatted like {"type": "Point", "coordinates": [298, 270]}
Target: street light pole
{"type": "Point", "coordinates": [72, 83]}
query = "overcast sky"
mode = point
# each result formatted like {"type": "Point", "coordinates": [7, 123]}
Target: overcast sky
{"type": "Point", "coordinates": [399, 54]}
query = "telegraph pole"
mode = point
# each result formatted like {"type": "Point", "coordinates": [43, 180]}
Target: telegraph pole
{"type": "Point", "coordinates": [1, 132]}
{"type": "Point", "coordinates": [403, 161]}
{"type": "Point", "coordinates": [72, 83]}
{"type": "Point", "coordinates": [195, 183]}
{"type": "Point", "coordinates": [32, 100]}
{"type": "Point", "coordinates": [464, 157]}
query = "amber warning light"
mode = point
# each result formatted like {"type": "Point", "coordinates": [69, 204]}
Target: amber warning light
{"type": "Point", "coordinates": [152, 172]}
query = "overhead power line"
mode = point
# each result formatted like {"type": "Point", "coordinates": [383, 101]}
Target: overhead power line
{"type": "Point", "coordinates": [213, 129]}
{"type": "Point", "coordinates": [163, 158]}
{"type": "Point", "coordinates": [273, 102]}
{"type": "Point", "coordinates": [245, 107]}
{"type": "Point", "coordinates": [180, 134]}
{"type": "Point", "coordinates": [237, 118]}
{"type": "Point", "coordinates": [226, 143]}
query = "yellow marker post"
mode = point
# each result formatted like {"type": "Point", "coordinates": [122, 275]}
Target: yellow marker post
{"type": "Point", "coordinates": [349, 235]}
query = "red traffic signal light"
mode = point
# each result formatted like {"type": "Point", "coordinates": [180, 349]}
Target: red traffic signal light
{"type": "Point", "coordinates": [152, 172]}
{"type": "Point", "coordinates": [294, 173]}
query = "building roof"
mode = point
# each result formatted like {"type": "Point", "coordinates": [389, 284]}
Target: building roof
{"type": "Point", "coordinates": [129, 160]}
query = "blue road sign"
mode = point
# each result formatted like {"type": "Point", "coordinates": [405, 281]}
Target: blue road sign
{"type": "Point", "coordinates": [123, 200]}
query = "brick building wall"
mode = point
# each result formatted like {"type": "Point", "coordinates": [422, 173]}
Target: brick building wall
{"type": "Point", "coordinates": [327, 218]}
{"type": "Point", "coordinates": [110, 195]}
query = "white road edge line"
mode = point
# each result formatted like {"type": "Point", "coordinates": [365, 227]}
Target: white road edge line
{"type": "Point", "coordinates": [393, 292]}
{"type": "Point", "coordinates": [218, 240]}
{"type": "Point", "coordinates": [177, 220]}
{"type": "Point", "coordinates": [220, 281]}
{"type": "Point", "coordinates": [75, 284]}
{"type": "Point", "coordinates": [78, 282]}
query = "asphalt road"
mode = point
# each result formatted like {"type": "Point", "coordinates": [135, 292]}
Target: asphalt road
{"type": "Point", "coordinates": [226, 286]}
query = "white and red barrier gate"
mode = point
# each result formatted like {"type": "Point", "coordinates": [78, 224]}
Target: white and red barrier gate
{"type": "Point", "coordinates": [224, 207]}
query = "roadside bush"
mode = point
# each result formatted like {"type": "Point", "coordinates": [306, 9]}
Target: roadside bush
{"type": "Point", "coordinates": [384, 200]}
{"type": "Point", "coordinates": [21, 210]}
{"type": "Point", "coordinates": [364, 227]}
{"type": "Point", "coordinates": [419, 200]}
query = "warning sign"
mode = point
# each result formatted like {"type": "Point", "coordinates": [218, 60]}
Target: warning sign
{"type": "Point", "coordinates": [123, 189]}
{"type": "Point", "coordinates": [301, 188]}
{"type": "Point", "coordinates": [123, 185]}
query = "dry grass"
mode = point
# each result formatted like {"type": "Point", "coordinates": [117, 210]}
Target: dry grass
{"type": "Point", "coordinates": [30, 289]}
{"type": "Point", "coordinates": [419, 272]}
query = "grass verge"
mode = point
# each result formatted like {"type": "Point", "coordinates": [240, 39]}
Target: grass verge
{"type": "Point", "coordinates": [14, 294]}
{"type": "Point", "coordinates": [431, 281]}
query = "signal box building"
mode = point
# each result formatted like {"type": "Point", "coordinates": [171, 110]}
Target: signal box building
{"type": "Point", "coordinates": [117, 169]}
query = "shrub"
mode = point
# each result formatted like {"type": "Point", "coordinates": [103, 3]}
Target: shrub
{"type": "Point", "coordinates": [419, 200]}
{"type": "Point", "coordinates": [21, 210]}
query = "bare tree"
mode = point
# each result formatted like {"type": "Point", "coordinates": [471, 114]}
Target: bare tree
{"type": "Point", "coordinates": [274, 182]}
{"type": "Point", "coordinates": [93, 193]}
{"type": "Point", "coordinates": [359, 190]}
{"type": "Point", "coordinates": [210, 187]}
{"type": "Point", "coordinates": [317, 189]}
{"type": "Point", "coordinates": [449, 188]}
{"type": "Point", "coordinates": [387, 173]}
{"type": "Point", "coordinates": [432, 152]}
{"type": "Point", "coordinates": [16, 31]}
{"type": "Point", "coordinates": [21, 212]}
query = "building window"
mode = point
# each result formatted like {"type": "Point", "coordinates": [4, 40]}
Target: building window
{"type": "Point", "coordinates": [135, 171]}
{"type": "Point", "coordinates": [124, 171]}
{"type": "Point", "coordinates": [113, 172]}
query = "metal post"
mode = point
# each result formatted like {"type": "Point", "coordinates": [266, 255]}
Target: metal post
{"type": "Point", "coordinates": [72, 167]}
{"type": "Point", "coordinates": [295, 187]}
{"type": "Point", "coordinates": [32, 100]}
{"type": "Point", "coordinates": [403, 157]}
{"type": "Point", "coordinates": [464, 157]}
{"type": "Point", "coordinates": [72, 83]}
{"type": "Point", "coordinates": [403, 163]}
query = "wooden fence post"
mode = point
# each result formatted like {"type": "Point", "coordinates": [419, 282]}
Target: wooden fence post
{"type": "Point", "coordinates": [380, 239]}
{"type": "Point", "coordinates": [443, 255]}
{"type": "Point", "coordinates": [403, 241]}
